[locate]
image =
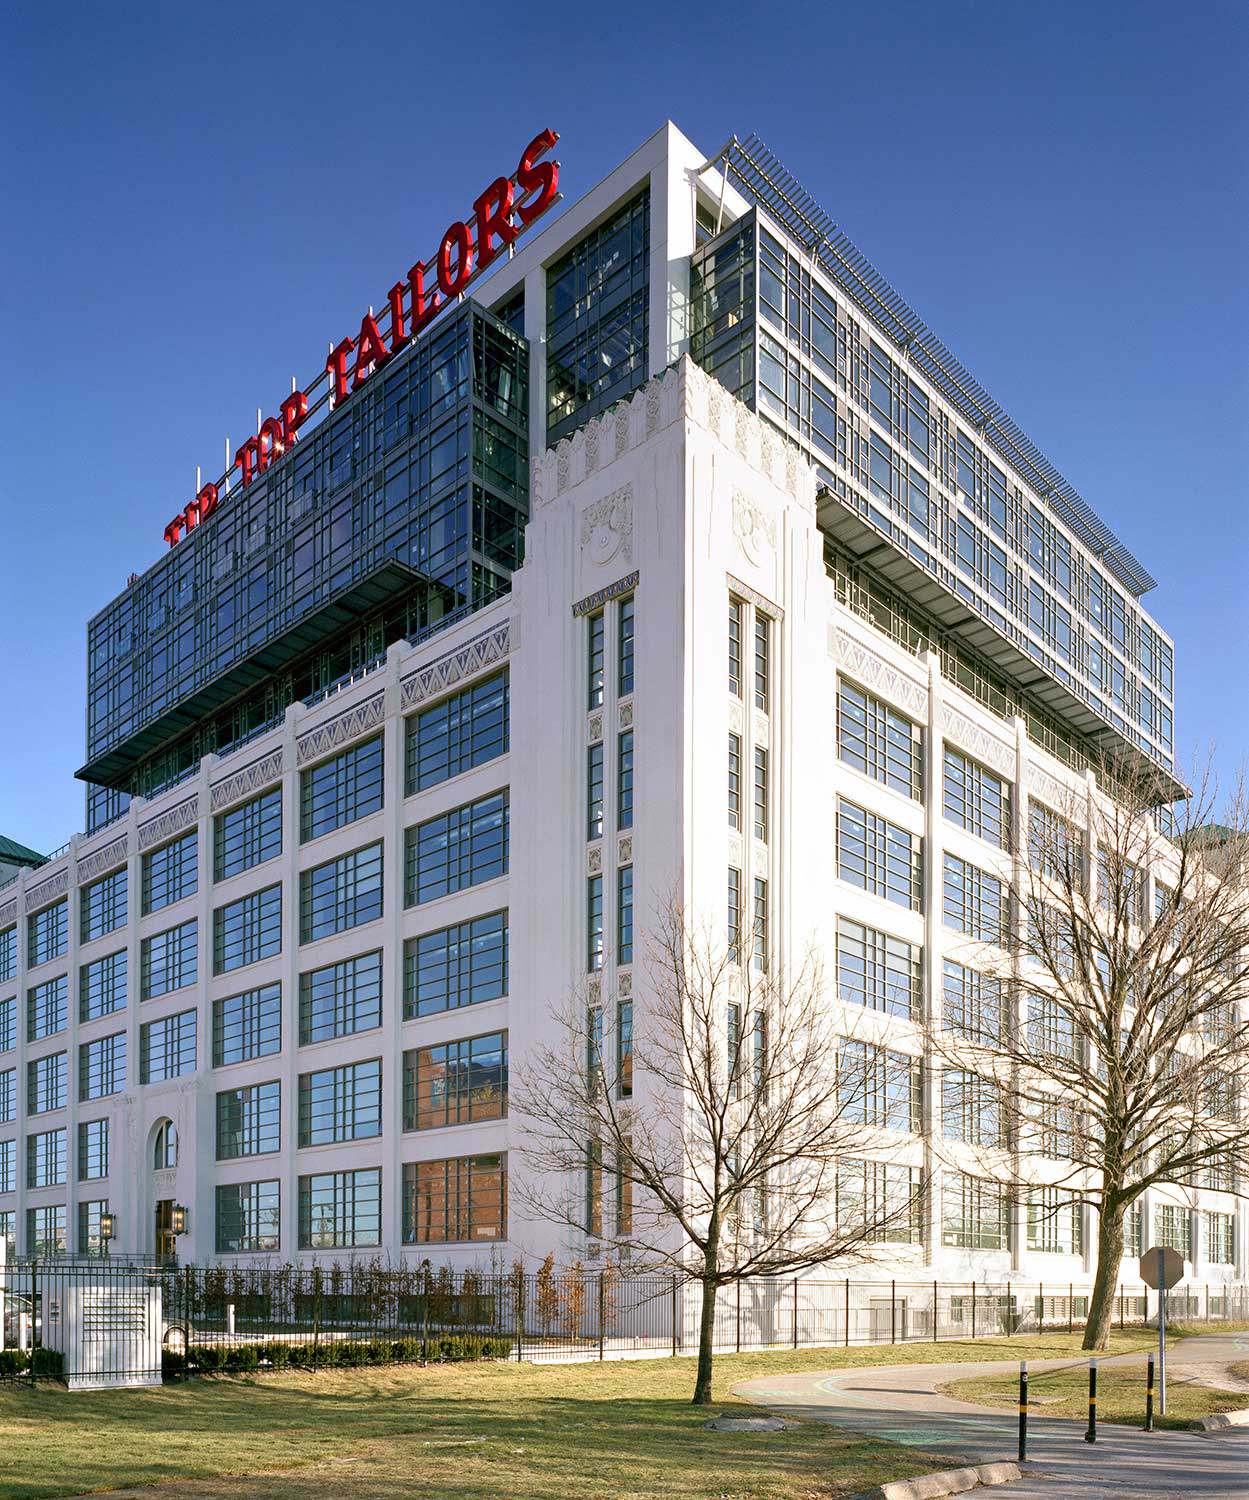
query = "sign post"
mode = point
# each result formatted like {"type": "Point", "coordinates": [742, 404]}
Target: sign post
{"type": "Point", "coordinates": [1161, 1268]}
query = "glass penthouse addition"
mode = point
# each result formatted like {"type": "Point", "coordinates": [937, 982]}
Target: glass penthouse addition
{"type": "Point", "coordinates": [930, 528]}
{"type": "Point", "coordinates": [402, 509]}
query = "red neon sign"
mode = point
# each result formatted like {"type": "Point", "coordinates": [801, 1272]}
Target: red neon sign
{"type": "Point", "coordinates": [501, 213]}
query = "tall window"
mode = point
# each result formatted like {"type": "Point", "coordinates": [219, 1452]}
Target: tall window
{"type": "Point", "coordinates": [735, 647]}
{"type": "Point", "coordinates": [247, 930]}
{"type": "Point", "coordinates": [624, 648]}
{"type": "Point", "coordinates": [759, 927]}
{"type": "Point", "coordinates": [878, 856]}
{"type": "Point", "coordinates": [455, 1083]}
{"type": "Point", "coordinates": [45, 1159]}
{"type": "Point", "coordinates": [735, 914]}
{"type": "Point", "coordinates": [247, 1026]}
{"type": "Point", "coordinates": [465, 730]}
{"type": "Point", "coordinates": [596, 660]}
{"type": "Point", "coordinates": [90, 1219]}
{"type": "Point", "coordinates": [341, 1104]}
{"type": "Point", "coordinates": [340, 894]}
{"type": "Point", "coordinates": [462, 1200]}
{"type": "Point", "coordinates": [595, 937]}
{"type": "Point", "coordinates": [975, 1213]}
{"type": "Point", "coordinates": [167, 1048]}
{"type": "Point", "coordinates": [735, 780]}
{"type": "Point", "coordinates": [248, 1217]}
{"type": "Point", "coordinates": [976, 799]}
{"type": "Point", "coordinates": [171, 873]}
{"type": "Point", "coordinates": [45, 1082]}
{"type": "Point", "coordinates": [8, 1095]}
{"type": "Point", "coordinates": [1173, 1228]}
{"type": "Point", "coordinates": [455, 966]}
{"type": "Point", "coordinates": [879, 741]}
{"type": "Point", "coordinates": [1055, 845]}
{"type": "Point", "coordinates": [92, 1150]}
{"type": "Point", "coordinates": [594, 791]}
{"type": "Point", "coordinates": [47, 934]}
{"type": "Point", "coordinates": [624, 781]}
{"type": "Point", "coordinates": [102, 1066]}
{"type": "Point", "coordinates": [1221, 1238]}
{"type": "Point", "coordinates": [102, 986]}
{"type": "Point", "coordinates": [8, 1024]}
{"type": "Point", "coordinates": [102, 906]}
{"type": "Point", "coordinates": [340, 790]}
{"type": "Point", "coordinates": [8, 1166]}
{"type": "Point", "coordinates": [247, 835]}
{"type": "Point", "coordinates": [169, 960]}
{"type": "Point", "coordinates": [340, 1210]}
{"type": "Point", "coordinates": [1055, 1223]}
{"type": "Point", "coordinates": [877, 1086]}
{"type": "Point", "coordinates": [461, 848]}
{"type": "Point", "coordinates": [47, 1008]}
{"type": "Point", "coordinates": [624, 914]}
{"type": "Point", "coordinates": [972, 1109]}
{"type": "Point", "coordinates": [340, 999]}
{"type": "Point", "coordinates": [249, 1120]}
{"type": "Point", "coordinates": [973, 1004]}
{"type": "Point", "coordinates": [762, 660]}
{"type": "Point", "coordinates": [974, 902]}
{"type": "Point", "coordinates": [8, 954]}
{"type": "Point", "coordinates": [624, 1049]}
{"type": "Point", "coordinates": [761, 793]}
{"type": "Point", "coordinates": [878, 971]}
{"type": "Point", "coordinates": [46, 1231]}
{"type": "Point", "coordinates": [594, 1189]}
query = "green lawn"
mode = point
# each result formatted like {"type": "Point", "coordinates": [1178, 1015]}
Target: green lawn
{"type": "Point", "coordinates": [464, 1432]}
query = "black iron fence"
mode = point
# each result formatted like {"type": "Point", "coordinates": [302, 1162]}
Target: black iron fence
{"type": "Point", "coordinates": [113, 1322]}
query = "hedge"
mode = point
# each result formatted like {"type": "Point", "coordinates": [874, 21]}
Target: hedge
{"type": "Point", "coordinates": [242, 1359]}
{"type": "Point", "coordinates": [16, 1363]}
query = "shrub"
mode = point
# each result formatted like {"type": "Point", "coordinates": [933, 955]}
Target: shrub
{"type": "Point", "coordinates": [47, 1364]}
{"type": "Point", "coordinates": [278, 1355]}
{"type": "Point", "coordinates": [376, 1353]}
{"type": "Point", "coordinates": [172, 1365]}
{"type": "Point", "coordinates": [243, 1358]}
{"type": "Point", "coordinates": [328, 1355]}
{"type": "Point", "coordinates": [406, 1351]}
{"type": "Point", "coordinates": [208, 1358]}
{"type": "Point", "coordinates": [13, 1362]}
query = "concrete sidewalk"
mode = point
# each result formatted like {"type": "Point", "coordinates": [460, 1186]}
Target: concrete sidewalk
{"type": "Point", "coordinates": [901, 1403]}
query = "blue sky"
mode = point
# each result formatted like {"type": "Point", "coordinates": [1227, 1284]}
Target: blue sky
{"type": "Point", "coordinates": [197, 198]}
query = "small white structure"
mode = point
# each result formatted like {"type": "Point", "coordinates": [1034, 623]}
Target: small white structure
{"type": "Point", "coordinates": [108, 1328]}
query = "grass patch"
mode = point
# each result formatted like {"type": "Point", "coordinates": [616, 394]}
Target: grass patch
{"type": "Point", "coordinates": [464, 1432]}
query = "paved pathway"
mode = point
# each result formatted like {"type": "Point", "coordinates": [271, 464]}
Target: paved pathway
{"type": "Point", "coordinates": [901, 1403]}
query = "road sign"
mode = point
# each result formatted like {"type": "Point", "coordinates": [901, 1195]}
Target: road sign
{"type": "Point", "coordinates": [1162, 1268]}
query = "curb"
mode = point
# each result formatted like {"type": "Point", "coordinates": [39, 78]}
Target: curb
{"type": "Point", "coordinates": [950, 1481]}
{"type": "Point", "coordinates": [1220, 1420]}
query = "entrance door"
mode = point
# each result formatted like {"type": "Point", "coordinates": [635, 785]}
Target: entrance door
{"type": "Point", "coordinates": [166, 1244]}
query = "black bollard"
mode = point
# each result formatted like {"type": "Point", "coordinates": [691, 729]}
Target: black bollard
{"type": "Point", "coordinates": [1023, 1410]}
{"type": "Point", "coordinates": [1149, 1396]}
{"type": "Point", "coordinates": [1091, 1435]}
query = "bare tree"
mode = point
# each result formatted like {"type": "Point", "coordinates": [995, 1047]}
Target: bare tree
{"type": "Point", "coordinates": [734, 1131]}
{"type": "Point", "coordinates": [1111, 1037]}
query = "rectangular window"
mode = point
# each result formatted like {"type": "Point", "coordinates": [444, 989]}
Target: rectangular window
{"type": "Point", "coordinates": [167, 1048]}
{"type": "Point", "coordinates": [461, 848]}
{"type": "Point", "coordinates": [102, 986]}
{"type": "Point", "coordinates": [974, 902]}
{"type": "Point", "coordinates": [102, 1067]}
{"type": "Point", "coordinates": [247, 930]}
{"type": "Point", "coordinates": [877, 971]}
{"type": "Point", "coordinates": [761, 793]}
{"type": "Point", "coordinates": [248, 1215]}
{"type": "Point", "coordinates": [465, 730]}
{"type": "Point", "coordinates": [624, 914]}
{"type": "Point", "coordinates": [878, 856]}
{"type": "Point", "coordinates": [45, 1230]}
{"type": "Point", "coordinates": [47, 934]}
{"type": "Point", "coordinates": [456, 966]}
{"type": "Point", "coordinates": [92, 1150]}
{"type": "Point", "coordinates": [462, 1200]}
{"type": "Point", "coordinates": [341, 999]}
{"type": "Point", "coordinates": [975, 1214]}
{"type": "Point", "coordinates": [735, 780]}
{"type": "Point", "coordinates": [8, 954]}
{"type": "Point", "coordinates": [249, 1120]}
{"type": "Point", "coordinates": [46, 1083]}
{"type": "Point", "coordinates": [341, 790]}
{"type": "Point", "coordinates": [455, 1083]}
{"type": "Point", "coordinates": [1173, 1228]}
{"type": "Point", "coordinates": [102, 906]}
{"type": "Point", "coordinates": [1221, 1239]}
{"type": "Point", "coordinates": [596, 660]}
{"type": "Point", "coordinates": [762, 664]}
{"type": "Point", "coordinates": [972, 1109]}
{"type": "Point", "coordinates": [47, 1009]}
{"type": "Point", "coordinates": [342, 893]}
{"type": "Point", "coordinates": [170, 873]}
{"type": "Point", "coordinates": [341, 1104]}
{"type": "Point", "coordinates": [624, 648]}
{"type": "Point", "coordinates": [594, 1189]}
{"type": "Point", "coordinates": [247, 835]}
{"type": "Point", "coordinates": [884, 1199]}
{"type": "Point", "coordinates": [1133, 1238]}
{"type": "Point", "coordinates": [340, 1210]}
{"type": "Point", "coordinates": [735, 647]}
{"type": "Point", "coordinates": [759, 928]}
{"type": "Point", "coordinates": [880, 742]}
{"type": "Point", "coordinates": [247, 1026]}
{"type": "Point", "coordinates": [8, 1166]}
{"type": "Point", "coordinates": [973, 1004]}
{"type": "Point", "coordinates": [624, 781]}
{"type": "Point", "coordinates": [595, 934]}
{"type": "Point", "coordinates": [594, 791]}
{"type": "Point", "coordinates": [169, 960]}
{"type": "Point", "coordinates": [624, 1049]}
{"type": "Point", "coordinates": [735, 915]}
{"type": "Point", "coordinates": [8, 1024]}
{"type": "Point", "coordinates": [1055, 1222]}
{"type": "Point", "coordinates": [1055, 845]}
{"type": "Point", "coordinates": [8, 1096]}
{"type": "Point", "coordinates": [976, 799]}
{"type": "Point", "coordinates": [45, 1159]}
{"type": "Point", "coordinates": [880, 1087]}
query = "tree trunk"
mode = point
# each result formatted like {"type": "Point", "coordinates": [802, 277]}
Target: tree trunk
{"type": "Point", "coordinates": [1109, 1266]}
{"type": "Point", "coordinates": [706, 1331]}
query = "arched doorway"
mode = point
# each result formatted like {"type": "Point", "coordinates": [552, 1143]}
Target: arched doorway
{"type": "Point", "coordinates": [164, 1160]}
